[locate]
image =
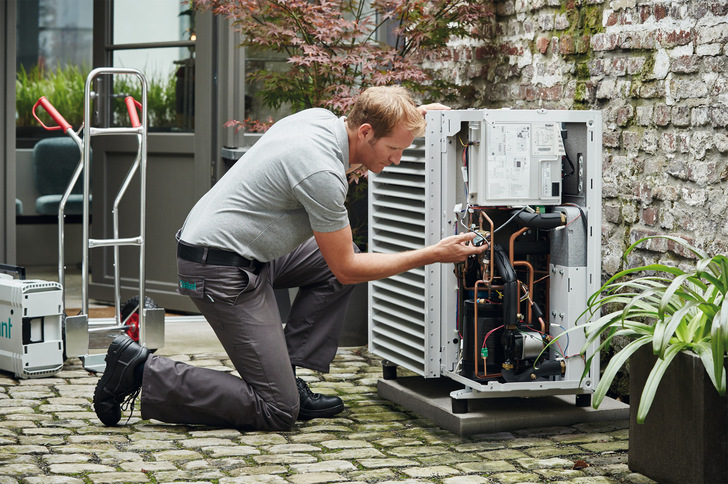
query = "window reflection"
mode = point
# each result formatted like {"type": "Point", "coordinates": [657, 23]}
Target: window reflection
{"type": "Point", "coordinates": [170, 94]}
{"type": "Point", "coordinates": [158, 43]}
{"type": "Point", "coordinates": [54, 56]}
{"type": "Point", "coordinates": [52, 34]}
{"type": "Point", "coordinates": [54, 46]}
{"type": "Point", "coordinates": [145, 21]}
{"type": "Point", "coordinates": [256, 60]}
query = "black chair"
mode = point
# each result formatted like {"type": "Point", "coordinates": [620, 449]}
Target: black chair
{"type": "Point", "coordinates": [54, 161]}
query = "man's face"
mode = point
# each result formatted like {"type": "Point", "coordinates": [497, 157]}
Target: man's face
{"type": "Point", "coordinates": [387, 150]}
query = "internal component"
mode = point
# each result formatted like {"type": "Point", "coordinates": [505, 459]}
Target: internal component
{"type": "Point", "coordinates": [517, 171]}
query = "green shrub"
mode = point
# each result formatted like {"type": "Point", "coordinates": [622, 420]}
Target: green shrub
{"type": "Point", "coordinates": [65, 86]}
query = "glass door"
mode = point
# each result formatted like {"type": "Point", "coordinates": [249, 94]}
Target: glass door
{"type": "Point", "coordinates": [177, 52]}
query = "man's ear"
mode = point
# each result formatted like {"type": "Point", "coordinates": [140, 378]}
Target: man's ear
{"type": "Point", "coordinates": [365, 132]}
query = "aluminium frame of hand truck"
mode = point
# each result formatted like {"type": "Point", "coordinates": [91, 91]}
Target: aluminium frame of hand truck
{"type": "Point", "coordinates": [150, 319]}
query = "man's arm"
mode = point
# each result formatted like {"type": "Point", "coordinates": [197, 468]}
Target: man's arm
{"type": "Point", "coordinates": [350, 267]}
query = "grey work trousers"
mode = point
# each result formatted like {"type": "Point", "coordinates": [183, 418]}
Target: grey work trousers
{"type": "Point", "coordinates": [241, 307]}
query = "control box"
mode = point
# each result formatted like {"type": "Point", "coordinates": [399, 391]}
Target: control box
{"type": "Point", "coordinates": [31, 318]}
{"type": "Point", "coordinates": [515, 163]}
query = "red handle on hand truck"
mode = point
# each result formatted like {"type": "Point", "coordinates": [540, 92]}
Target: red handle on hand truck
{"type": "Point", "coordinates": [131, 106]}
{"type": "Point", "coordinates": [55, 115]}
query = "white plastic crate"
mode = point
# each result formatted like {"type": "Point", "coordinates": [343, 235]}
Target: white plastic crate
{"type": "Point", "coordinates": [31, 343]}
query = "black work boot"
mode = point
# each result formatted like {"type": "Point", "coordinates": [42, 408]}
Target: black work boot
{"type": "Point", "coordinates": [118, 381]}
{"type": "Point", "coordinates": [315, 405]}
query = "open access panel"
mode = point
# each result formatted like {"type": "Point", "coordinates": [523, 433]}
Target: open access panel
{"type": "Point", "coordinates": [528, 183]}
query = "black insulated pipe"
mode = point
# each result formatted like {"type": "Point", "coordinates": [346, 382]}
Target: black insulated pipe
{"type": "Point", "coordinates": [541, 220]}
{"type": "Point", "coordinates": [510, 286]}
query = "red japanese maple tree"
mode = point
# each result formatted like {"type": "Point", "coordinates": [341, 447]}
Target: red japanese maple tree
{"type": "Point", "coordinates": [336, 48]}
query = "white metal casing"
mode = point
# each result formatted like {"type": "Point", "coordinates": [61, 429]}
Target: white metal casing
{"type": "Point", "coordinates": [413, 315]}
{"type": "Point", "coordinates": [31, 344]}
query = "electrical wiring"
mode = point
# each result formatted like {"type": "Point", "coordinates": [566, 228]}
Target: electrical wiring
{"type": "Point", "coordinates": [466, 184]}
{"type": "Point", "coordinates": [545, 336]}
{"type": "Point", "coordinates": [574, 220]}
{"type": "Point", "coordinates": [486, 301]}
{"type": "Point", "coordinates": [526, 295]}
{"type": "Point", "coordinates": [512, 295]}
{"type": "Point", "coordinates": [567, 337]}
{"type": "Point", "coordinates": [527, 333]}
{"type": "Point", "coordinates": [582, 215]}
{"type": "Point", "coordinates": [541, 279]}
{"type": "Point", "coordinates": [489, 333]}
{"type": "Point", "coordinates": [571, 165]}
{"type": "Point", "coordinates": [566, 156]}
{"type": "Point", "coordinates": [457, 316]}
{"type": "Point", "coordinates": [511, 219]}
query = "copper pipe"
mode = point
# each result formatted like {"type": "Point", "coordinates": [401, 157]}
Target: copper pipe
{"type": "Point", "coordinates": [491, 243]}
{"type": "Point", "coordinates": [512, 241]}
{"type": "Point", "coordinates": [528, 265]}
{"type": "Point", "coordinates": [490, 286]}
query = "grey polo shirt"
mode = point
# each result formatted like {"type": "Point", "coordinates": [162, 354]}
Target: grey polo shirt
{"type": "Point", "coordinates": [290, 183]}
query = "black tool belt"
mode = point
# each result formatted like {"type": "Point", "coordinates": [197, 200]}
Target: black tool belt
{"type": "Point", "coordinates": [211, 256]}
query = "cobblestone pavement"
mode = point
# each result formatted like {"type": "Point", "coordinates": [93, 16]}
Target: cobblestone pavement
{"type": "Point", "coordinates": [49, 433]}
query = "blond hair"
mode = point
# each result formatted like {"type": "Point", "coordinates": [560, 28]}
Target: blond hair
{"type": "Point", "coordinates": [385, 107]}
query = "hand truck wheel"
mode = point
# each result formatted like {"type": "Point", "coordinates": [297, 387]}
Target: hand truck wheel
{"type": "Point", "coordinates": [130, 309]}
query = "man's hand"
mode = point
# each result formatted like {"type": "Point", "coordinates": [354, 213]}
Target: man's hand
{"type": "Point", "coordinates": [457, 248]}
{"type": "Point", "coordinates": [432, 107]}
{"type": "Point", "coordinates": [350, 268]}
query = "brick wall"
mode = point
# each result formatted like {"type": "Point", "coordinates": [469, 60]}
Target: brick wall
{"type": "Point", "coordinates": [658, 72]}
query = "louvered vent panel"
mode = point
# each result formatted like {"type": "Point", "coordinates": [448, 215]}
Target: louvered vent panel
{"type": "Point", "coordinates": [398, 206]}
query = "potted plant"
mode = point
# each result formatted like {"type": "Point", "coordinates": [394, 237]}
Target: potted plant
{"type": "Point", "coordinates": [676, 321]}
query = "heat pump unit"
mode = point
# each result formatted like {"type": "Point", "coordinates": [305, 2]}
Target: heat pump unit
{"type": "Point", "coordinates": [528, 183]}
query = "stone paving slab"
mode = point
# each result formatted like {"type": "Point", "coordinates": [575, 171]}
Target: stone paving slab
{"type": "Point", "coordinates": [50, 434]}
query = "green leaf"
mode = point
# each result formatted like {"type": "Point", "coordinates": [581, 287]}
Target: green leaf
{"type": "Point", "coordinates": [593, 331]}
{"type": "Point", "coordinates": [699, 253]}
{"type": "Point", "coordinates": [717, 344]}
{"type": "Point", "coordinates": [654, 379]}
{"type": "Point", "coordinates": [614, 365]}
{"type": "Point", "coordinates": [668, 295]}
{"type": "Point", "coordinates": [694, 329]}
{"type": "Point", "coordinates": [718, 378]}
{"type": "Point", "coordinates": [724, 323]}
{"type": "Point", "coordinates": [638, 302]}
{"type": "Point", "coordinates": [665, 329]}
{"type": "Point", "coordinates": [715, 281]}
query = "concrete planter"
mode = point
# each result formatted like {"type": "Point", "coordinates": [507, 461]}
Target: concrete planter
{"type": "Point", "coordinates": [685, 435]}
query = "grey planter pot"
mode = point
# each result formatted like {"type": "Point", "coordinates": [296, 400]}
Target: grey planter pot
{"type": "Point", "coordinates": [685, 435]}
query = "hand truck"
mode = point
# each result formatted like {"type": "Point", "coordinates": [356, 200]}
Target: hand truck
{"type": "Point", "coordinates": [144, 322]}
